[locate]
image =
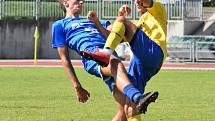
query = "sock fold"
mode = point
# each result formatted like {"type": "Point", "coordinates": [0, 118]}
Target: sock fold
{"type": "Point", "coordinates": [132, 93]}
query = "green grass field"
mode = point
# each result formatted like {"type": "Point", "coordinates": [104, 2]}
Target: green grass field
{"type": "Point", "coordinates": [45, 94]}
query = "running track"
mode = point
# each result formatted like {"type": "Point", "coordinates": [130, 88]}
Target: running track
{"type": "Point", "coordinates": [77, 63]}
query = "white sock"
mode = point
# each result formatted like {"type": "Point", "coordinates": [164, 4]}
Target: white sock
{"type": "Point", "coordinates": [108, 51]}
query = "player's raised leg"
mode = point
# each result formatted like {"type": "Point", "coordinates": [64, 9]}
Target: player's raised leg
{"type": "Point", "coordinates": [122, 31]}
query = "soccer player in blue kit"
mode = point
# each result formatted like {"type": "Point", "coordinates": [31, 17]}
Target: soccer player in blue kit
{"type": "Point", "coordinates": [82, 34]}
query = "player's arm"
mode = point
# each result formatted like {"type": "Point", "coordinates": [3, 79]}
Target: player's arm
{"type": "Point", "coordinates": [92, 16]}
{"type": "Point", "coordinates": [81, 93]}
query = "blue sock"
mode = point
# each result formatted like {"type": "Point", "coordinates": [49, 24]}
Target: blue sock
{"type": "Point", "coordinates": [132, 93]}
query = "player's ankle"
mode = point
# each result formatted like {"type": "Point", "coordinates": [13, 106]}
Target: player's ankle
{"type": "Point", "coordinates": [136, 97]}
{"type": "Point", "coordinates": [108, 51]}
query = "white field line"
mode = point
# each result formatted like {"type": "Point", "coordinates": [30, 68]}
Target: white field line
{"type": "Point", "coordinates": [187, 68]}
{"type": "Point", "coordinates": [21, 63]}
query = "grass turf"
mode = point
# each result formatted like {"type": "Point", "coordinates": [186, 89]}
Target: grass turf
{"type": "Point", "coordinates": [45, 94]}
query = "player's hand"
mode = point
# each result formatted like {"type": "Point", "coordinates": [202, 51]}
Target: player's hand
{"type": "Point", "coordinates": [92, 16]}
{"type": "Point", "coordinates": [124, 10]}
{"type": "Point", "coordinates": [82, 94]}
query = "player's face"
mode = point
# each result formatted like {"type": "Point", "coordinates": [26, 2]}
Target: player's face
{"type": "Point", "coordinates": [75, 6]}
{"type": "Point", "coordinates": [139, 6]}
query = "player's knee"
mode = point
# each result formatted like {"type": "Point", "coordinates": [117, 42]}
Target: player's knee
{"type": "Point", "coordinates": [115, 62]}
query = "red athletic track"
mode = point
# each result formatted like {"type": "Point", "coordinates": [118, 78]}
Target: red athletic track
{"type": "Point", "coordinates": [77, 63]}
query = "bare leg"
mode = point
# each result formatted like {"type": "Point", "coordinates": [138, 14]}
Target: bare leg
{"type": "Point", "coordinates": [130, 109]}
{"type": "Point", "coordinates": [118, 71]}
{"type": "Point", "coordinates": [130, 30]}
{"type": "Point", "coordinates": [125, 108]}
{"type": "Point", "coordinates": [120, 101]}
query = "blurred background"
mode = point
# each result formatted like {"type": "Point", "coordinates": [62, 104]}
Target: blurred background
{"type": "Point", "coordinates": [186, 81]}
{"type": "Point", "coordinates": [190, 36]}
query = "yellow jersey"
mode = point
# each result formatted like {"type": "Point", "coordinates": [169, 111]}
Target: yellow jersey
{"type": "Point", "coordinates": [154, 24]}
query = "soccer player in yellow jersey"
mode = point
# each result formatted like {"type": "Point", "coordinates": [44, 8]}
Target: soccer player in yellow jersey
{"type": "Point", "coordinates": [147, 40]}
{"type": "Point", "coordinates": [154, 24]}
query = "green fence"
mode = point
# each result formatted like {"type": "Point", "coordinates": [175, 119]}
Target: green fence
{"type": "Point", "coordinates": [106, 9]}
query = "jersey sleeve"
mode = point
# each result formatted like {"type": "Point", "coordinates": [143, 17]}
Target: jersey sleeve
{"type": "Point", "coordinates": [105, 23]}
{"type": "Point", "coordinates": [58, 35]}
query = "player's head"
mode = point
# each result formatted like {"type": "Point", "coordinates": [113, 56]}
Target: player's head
{"type": "Point", "coordinates": [142, 8]}
{"type": "Point", "coordinates": [139, 6]}
{"type": "Point", "coordinates": [72, 6]}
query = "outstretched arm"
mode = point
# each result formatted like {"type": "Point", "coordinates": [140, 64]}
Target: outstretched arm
{"type": "Point", "coordinates": [81, 93]}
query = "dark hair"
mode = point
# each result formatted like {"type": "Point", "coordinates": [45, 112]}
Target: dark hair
{"type": "Point", "coordinates": [62, 6]}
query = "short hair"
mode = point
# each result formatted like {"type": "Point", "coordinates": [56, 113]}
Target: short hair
{"type": "Point", "coordinates": [62, 5]}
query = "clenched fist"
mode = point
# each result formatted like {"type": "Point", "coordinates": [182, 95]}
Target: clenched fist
{"type": "Point", "coordinates": [124, 10]}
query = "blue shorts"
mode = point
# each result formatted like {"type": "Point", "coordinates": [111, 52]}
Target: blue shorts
{"type": "Point", "coordinates": [146, 61]}
{"type": "Point", "coordinates": [93, 68]}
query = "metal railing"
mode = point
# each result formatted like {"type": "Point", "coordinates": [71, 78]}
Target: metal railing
{"type": "Point", "coordinates": [205, 51]}
{"type": "Point", "coordinates": [192, 49]}
{"type": "Point", "coordinates": [175, 9]}
{"type": "Point", "coordinates": [110, 8]}
{"type": "Point", "coordinates": [192, 10]}
{"type": "Point", "coordinates": [106, 9]}
{"type": "Point", "coordinates": [182, 51]}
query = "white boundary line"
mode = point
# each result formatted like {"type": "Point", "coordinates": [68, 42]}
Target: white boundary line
{"type": "Point", "coordinates": [19, 64]}
{"type": "Point", "coordinates": [187, 68]}
{"type": "Point", "coordinates": [49, 66]}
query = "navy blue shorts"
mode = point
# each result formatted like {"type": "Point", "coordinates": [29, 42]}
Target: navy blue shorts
{"type": "Point", "coordinates": [146, 61]}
